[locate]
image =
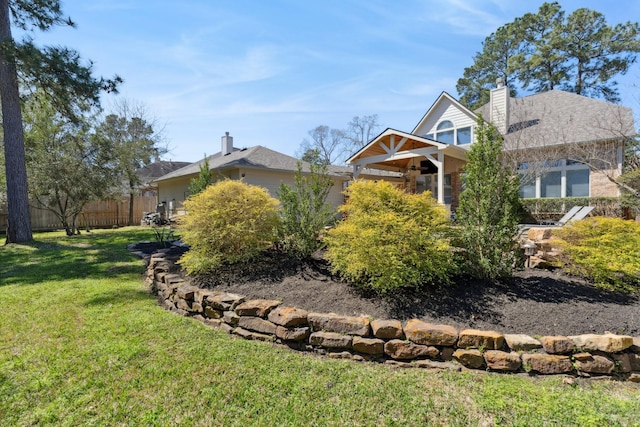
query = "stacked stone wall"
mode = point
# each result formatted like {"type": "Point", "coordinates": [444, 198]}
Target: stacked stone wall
{"type": "Point", "coordinates": [414, 343]}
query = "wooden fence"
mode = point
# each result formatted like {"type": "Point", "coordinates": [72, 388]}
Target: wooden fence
{"type": "Point", "coordinates": [99, 214]}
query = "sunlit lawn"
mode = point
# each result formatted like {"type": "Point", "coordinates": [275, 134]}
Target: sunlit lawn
{"type": "Point", "coordinates": [83, 343]}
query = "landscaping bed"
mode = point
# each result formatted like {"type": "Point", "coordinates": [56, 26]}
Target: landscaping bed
{"type": "Point", "coordinates": [534, 302]}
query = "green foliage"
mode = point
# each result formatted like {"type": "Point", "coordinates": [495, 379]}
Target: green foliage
{"type": "Point", "coordinates": [390, 239]}
{"type": "Point", "coordinates": [203, 180]}
{"type": "Point", "coordinates": [305, 212]}
{"type": "Point", "coordinates": [488, 210]}
{"type": "Point", "coordinates": [135, 143]}
{"type": "Point", "coordinates": [102, 352]}
{"type": "Point", "coordinates": [606, 250]}
{"type": "Point", "coordinates": [228, 222]}
{"type": "Point", "coordinates": [58, 72]}
{"type": "Point", "coordinates": [541, 51]}
{"type": "Point", "coordinates": [67, 165]}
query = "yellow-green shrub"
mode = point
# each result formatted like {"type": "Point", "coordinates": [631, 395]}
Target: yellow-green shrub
{"type": "Point", "coordinates": [229, 221]}
{"type": "Point", "coordinates": [606, 250]}
{"type": "Point", "coordinates": [390, 239]}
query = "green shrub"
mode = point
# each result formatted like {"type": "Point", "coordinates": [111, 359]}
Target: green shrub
{"type": "Point", "coordinates": [229, 221]}
{"type": "Point", "coordinates": [488, 213]}
{"type": "Point", "coordinates": [390, 239]}
{"type": "Point", "coordinates": [606, 250]}
{"type": "Point", "coordinates": [305, 212]}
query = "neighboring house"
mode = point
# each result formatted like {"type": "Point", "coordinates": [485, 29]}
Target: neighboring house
{"type": "Point", "coordinates": [563, 145]}
{"type": "Point", "coordinates": [148, 174]}
{"type": "Point", "coordinates": [256, 165]}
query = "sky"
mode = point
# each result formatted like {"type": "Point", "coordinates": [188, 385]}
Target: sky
{"type": "Point", "coordinates": [269, 71]}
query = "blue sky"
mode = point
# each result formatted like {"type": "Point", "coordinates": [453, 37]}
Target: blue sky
{"type": "Point", "coordinates": [270, 71]}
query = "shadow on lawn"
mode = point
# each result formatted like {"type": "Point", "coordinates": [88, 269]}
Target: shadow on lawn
{"type": "Point", "coordinates": [119, 297]}
{"type": "Point", "coordinates": [68, 259]}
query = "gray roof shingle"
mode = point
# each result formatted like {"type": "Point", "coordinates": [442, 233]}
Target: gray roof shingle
{"type": "Point", "coordinates": [557, 117]}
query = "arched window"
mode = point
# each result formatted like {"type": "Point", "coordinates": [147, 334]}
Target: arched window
{"type": "Point", "coordinates": [445, 132]}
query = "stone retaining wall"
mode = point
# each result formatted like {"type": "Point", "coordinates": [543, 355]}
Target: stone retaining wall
{"type": "Point", "coordinates": [416, 343]}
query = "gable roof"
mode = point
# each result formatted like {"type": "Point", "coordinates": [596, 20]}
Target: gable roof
{"type": "Point", "coordinates": [382, 145]}
{"type": "Point", "coordinates": [257, 157]}
{"type": "Point", "coordinates": [443, 96]}
{"type": "Point", "coordinates": [158, 169]}
{"type": "Point", "coordinates": [557, 117]}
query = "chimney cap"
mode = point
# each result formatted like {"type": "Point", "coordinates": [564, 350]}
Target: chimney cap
{"type": "Point", "coordinates": [226, 133]}
{"type": "Point", "coordinates": [499, 82]}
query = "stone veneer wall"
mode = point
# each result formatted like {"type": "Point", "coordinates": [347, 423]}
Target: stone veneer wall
{"type": "Point", "coordinates": [415, 343]}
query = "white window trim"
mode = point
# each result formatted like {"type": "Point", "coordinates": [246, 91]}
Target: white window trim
{"type": "Point", "coordinates": [562, 168]}
{"type": "Point", "coordinates": [435, 131]}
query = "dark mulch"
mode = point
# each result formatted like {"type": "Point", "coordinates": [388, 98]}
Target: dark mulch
{"type": "Point", "coordinates": [534, 302]}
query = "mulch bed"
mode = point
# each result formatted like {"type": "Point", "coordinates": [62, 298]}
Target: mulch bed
{"type": "Point", "coordinates": [534, 302]}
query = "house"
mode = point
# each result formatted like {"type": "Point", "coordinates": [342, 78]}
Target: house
{"type": "Point", "coordinates": [562, 144]}
{"type": "Point", "coordinates": [255, 165]}
{"type": "Point", "coordinates": [148, 174]}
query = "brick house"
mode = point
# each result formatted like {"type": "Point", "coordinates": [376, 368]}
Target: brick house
{"type": "Point", "coordinates": [562, 145]}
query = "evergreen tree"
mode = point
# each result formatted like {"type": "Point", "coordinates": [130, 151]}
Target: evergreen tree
{"type": "Point", "coordinates": [203, 180]}
{"type": "Point", "coordinates": [58, 71]}
{"type": "Point", "coordinates": [541, 51]}
{"type": "Point", "coordinates": [488, 209]}
{"type": "Point", "coordinates": [305, 211]}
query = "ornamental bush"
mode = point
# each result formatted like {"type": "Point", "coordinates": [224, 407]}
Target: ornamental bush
{"type": "Point", "coordinates": [389, 239]}
{"type": "Point", "coordinates": [228, 222]}
{"type": "Point", "coordinates": [605, 250]}
{"type": "Point", "coordinates": [305, 211]}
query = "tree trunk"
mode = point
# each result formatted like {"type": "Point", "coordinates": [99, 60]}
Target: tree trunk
{"type": "Point", "coordinates": [132, 191]}
{"type": "Point", "coordinates": [19, 221]}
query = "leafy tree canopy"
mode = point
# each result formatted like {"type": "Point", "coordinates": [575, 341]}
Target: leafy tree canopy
{"type": "Point", "coordinates": [57, 72]}
{"type": "Point", "coordinates": [579, 53]}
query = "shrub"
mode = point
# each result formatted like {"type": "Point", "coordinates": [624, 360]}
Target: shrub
{"type": "Point", "coordinates": [228, 222]}
{"type": "Point", "coordinates": [606, 250]}
{"type": "Point", "coordinates": [390, 239]}
{"type": "Point", "coordinates": [489, 206]}
{"type": "Point", "coordinates": [305, 212]}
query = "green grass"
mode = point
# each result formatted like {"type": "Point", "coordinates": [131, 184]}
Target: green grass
{"type": "Point", "coordinates": [83, 343]}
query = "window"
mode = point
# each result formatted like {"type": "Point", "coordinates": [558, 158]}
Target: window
{"type": "Point", "coordinates": [528, 188]}
{"type": "Point", "coordinates": [447, 133]}
{"type": "Point", "coordinates": [578, 183]}
{"type": "Point", "coordinates": [464, 136]}
{"type": "Point", "coordinates": [430, 183]}
{"type": "Point", "coordinates": [560, 178]}
{"type": "Point", "coordinates": [445, 124]}
{"type": "Point", "coordinates": [551, 184]}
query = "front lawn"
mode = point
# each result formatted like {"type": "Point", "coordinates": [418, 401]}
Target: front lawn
{"type": "Point", "coordinates": [83, 343]}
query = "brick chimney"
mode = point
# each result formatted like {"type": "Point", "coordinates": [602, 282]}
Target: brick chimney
{"type": "Point", "coordinates": [227, 144]}
{"type": "Point", "coordinates": [499, 106]}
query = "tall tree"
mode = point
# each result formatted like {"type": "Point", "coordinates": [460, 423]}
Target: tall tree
{"type": "Point", "coordinates": [598, 52]}
{"type": "Point", "coordinates": [326, 145]}
{"type": "Point", "coordinates": [136, 141]}
{"type": "Point", "coordinates": [501, 52]}
{"type": "Point", "coordinates": [68, 166]}
{"type": "Point", "coordinates": [541, 51]}
{"type": "Point", "coordinates": [542, 65]}
{"type": "Point", "coordinates": [360, 130]}
{"type": "Point", "coordinates": [55, 70]}
{"type": "Point", "coordinates": [329, 146]}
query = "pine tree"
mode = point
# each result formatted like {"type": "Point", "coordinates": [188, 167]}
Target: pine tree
{"type": "Point", "coordinates": [58, 71]}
